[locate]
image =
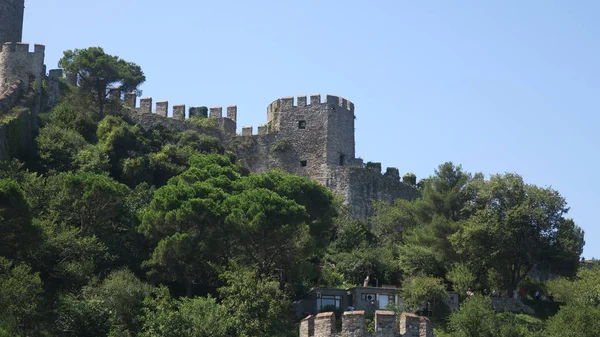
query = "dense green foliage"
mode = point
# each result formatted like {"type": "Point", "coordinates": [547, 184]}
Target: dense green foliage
{"type": "Point", "coordinates": [113, 230]}
{"type": "Point", "coordinates": [97, 71]}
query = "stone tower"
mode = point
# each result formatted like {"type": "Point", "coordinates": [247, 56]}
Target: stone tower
{"type": "Point", "coordinates": [315, 139]}
{"type": "Point", "coordinates": [322, 133]}
{"type": "Point", "coordinates": [11, 20]}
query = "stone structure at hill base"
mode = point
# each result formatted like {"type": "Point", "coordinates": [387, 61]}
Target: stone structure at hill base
{"type": "Point", "coordinates": [308, 136]}
{"type": "Point", "coordinates": [387, 324]}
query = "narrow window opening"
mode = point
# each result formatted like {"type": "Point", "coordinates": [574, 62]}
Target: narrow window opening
{"type": "Point", "coordinates": [301, 124]}
{"type": "Point", "coordinates": [303, 163]}
{"type": "Point", "coordinates": [342, 159]}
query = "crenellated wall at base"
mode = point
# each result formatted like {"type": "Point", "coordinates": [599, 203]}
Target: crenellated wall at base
{"type": "Point", "coordinates": [387, 324]}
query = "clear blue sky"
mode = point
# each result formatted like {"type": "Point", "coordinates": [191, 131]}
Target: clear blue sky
{"type": "Point", "coordinates": [496, 86]}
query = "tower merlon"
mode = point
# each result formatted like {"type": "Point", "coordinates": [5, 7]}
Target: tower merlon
{"type": "Point", "coordinates": [287, 103]}
{"type": "Point", "coordinates": [301, 101]}
{"type": "Point", "coordinates": [246, 131]}
{"type": "Point", "coordinates": [179, 111]}
{"type": "Point", "coordinates": [216, 112]}
{"type": "Point", "coordinates": [200, 112]}
{"type": "Point", "coordinates": [146, 105]}
{"type": "Point", "coordinates": [55, 73]}
{"type": "Point", "coordinates": [262, 129]}
{"type": "Point", "coordinates": [114, 93]}
{"type": "Point", "coordinates": [232, 112]}
{"type": "Point", "coordinates": [392, 172]}
{"type": "Point", "coordinates": [130, 99]}
{"type": "Point", "coordinates": [315, 99]}
{"type": "Point", "coordinates": [162, 108]}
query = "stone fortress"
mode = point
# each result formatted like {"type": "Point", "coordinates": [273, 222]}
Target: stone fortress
{"type": "Point", "coordinates": [307, 136]}
{"type": "Point", "coordinates": [387, 324]}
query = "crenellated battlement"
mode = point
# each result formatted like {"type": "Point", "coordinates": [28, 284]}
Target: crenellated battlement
{"type": "Point", "coordinates": [288, 103]}
{"type": "Point", "coordinates": [18, 63]}
{"type": "Point", "coordinates": [20, 47]}
{"type": "Point", "coordinates": [305, 135]}
{"type": "Point", "coordinates": [228, 123]}
{"type": "Point", "coordinates": [387, 324]}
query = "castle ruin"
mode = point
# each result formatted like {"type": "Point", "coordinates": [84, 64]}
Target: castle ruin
{"type": "Point", "coordinates": [307, 136]}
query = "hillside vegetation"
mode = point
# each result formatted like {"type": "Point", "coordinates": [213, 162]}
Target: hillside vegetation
{"type": "Point", "coordinates": [107, 229]}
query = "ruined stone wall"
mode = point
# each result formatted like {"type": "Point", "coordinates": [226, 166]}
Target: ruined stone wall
{"type": "Point", "coordinates": [387, 324]}
{"type": "Point", "coordinates": [361, 186]}
{"type": "Point", "coordinates": [11, 20]}
{"type": "Point", "coordinates": [17, 63]}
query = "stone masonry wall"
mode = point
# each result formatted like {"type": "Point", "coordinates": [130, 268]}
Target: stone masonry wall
{"type": "Point", "coordinates": [387, 324]}
{"type": "Point", "coordinates": [360, 186]}
{"type": "Point", "coordinates": [11, 20]}
{"type": "Point", "coordinates": [10, 96]}
{"type": "Point", "coordinates": [305, 128]}
{"type": "Point", "coordinates": [340, 131]}
{"type": "Point", "coordinates": [17, 63]}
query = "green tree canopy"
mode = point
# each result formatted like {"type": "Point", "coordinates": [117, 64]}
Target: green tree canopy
{"type": "Point", "coordinates": [98, 71]}
{"type": "Point", "coordinates": [515, 226]}
{"type": "Point", "coordinates": [256, 303]}
{"type": "Point", "coordinates": [17, 233]}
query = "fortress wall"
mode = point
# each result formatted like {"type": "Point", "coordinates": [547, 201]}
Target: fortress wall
{"type": "Point", "coordinates": [10, 96]}
{"type": "Point", "coordinates": [228, 124]}
{"type": "Point", "coordinates": [361, 186]}
{"type": "Point", "coordinates": [261, 153]}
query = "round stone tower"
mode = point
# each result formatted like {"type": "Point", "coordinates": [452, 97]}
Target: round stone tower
{"type": "Point", "coordinates": [11, 20]}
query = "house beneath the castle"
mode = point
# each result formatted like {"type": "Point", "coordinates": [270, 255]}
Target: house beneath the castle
{"type": "Point", "coordinates": [368, 299]}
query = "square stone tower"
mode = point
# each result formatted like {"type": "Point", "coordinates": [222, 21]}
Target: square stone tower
{"type": "Point", "coordinates": [11, 20]}
{"type": "Point", "coordinates": [322, 133]}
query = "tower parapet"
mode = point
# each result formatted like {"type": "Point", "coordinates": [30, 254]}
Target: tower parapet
{"type": "Point", "coordinates": [387, 324]}
{"type": "Point", "coordinates": [287, 105]}
{"type": "Point", "coordinates": [18, 63]}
